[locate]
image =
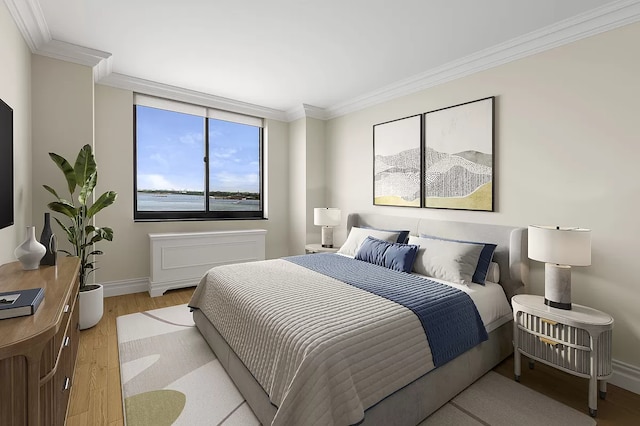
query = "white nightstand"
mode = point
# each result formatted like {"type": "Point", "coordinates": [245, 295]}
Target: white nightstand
{"type": "Point", "coordinates": [577, 341]}
{"type": "Point", "coordinates": [317, 248]}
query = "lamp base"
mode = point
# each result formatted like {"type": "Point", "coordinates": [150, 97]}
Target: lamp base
{"type": "Point", "coordinates": [327, 236]}
{"type": "Point", "coordinates": [557, 305]}
{"type": "Point", "coordinates": [557, 286]}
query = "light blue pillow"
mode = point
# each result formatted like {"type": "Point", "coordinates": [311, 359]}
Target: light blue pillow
{"type": "Point", "coordinates": [396, 256]}
{"type": "Point", "coordinates": [486, 256]}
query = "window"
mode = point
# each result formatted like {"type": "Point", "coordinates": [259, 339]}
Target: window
{"type": "Point", "coordinates": [183, 152]}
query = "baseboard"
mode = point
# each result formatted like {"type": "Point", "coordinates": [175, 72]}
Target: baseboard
{"type": "Point", "coordinates": [626, 376]}
{"type": "Point", "coordinates": [119, 288]}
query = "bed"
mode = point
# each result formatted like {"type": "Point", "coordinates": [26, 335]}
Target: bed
{"type": "Point", "coordinates": [371, 369]}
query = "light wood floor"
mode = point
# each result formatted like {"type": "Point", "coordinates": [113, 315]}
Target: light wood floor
{"type": "Point", "coordinates": [96, 397]}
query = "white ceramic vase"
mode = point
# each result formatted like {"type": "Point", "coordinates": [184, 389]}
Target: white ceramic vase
{"type": "Point", "coordinates": [30, 251]}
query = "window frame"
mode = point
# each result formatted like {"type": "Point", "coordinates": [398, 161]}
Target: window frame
{"type": "Point", "coordinates": [192, 215]}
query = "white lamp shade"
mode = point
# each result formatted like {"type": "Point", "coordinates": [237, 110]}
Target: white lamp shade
{"type": "Point", "coordinates": [562, 246]}
{"type": "Point", "coordinates": [326, 216]}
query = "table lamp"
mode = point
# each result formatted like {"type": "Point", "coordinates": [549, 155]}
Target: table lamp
{"type": "Point", "coordinates": [560, 248]}
{"type": "Point", "coordinates": [327, 217]}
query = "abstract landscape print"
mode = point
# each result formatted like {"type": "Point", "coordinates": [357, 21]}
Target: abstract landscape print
{"type": "Point", "coordinates": [458, 156]}
{"type": "Point", "coordinates": [397, 162]}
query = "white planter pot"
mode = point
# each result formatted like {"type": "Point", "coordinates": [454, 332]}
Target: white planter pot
{"type": "Point", "coordinates": [91, 307]}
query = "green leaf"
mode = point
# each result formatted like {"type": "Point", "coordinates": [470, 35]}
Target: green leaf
{"type": "Point", "coordinates": [66, 168]}
{"type": "Point", "coordinates": [65, 208]}
{"type": "Point", "coordinates": [107, 233]}
{"type": "Point", "coordinates": [87, 188]}
{"type": "Point", "coordinates": [51, 190]}
{"type": "Point", "coordinates": [85, 165]}
{"type": "Point", "coordinates": [64, 251]}
{"type": "Point", "coordinates": [68, 231]}
{"type": "Point", "coordinates": [95, 253]}
{"type": "Point", "coordinates": [105, 200]}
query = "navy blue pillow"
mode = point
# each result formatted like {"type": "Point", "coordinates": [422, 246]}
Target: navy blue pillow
{"type": "Point", "coordinates": [396, 256]}
{"type": "Point", "coordinates": [403, 236]}
{"type": "Point", "coordinates": [486, 256]}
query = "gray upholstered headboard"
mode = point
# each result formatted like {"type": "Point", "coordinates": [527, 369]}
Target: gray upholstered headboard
{"type": "Point", "coordinates": [510, 254]}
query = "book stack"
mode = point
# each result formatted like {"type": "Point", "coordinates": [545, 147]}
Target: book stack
{"type": "Point", "coordinates": [20, 303]}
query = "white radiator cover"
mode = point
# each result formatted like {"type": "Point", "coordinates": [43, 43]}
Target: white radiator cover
{"type": "Point", "coordinates": [181, 259]}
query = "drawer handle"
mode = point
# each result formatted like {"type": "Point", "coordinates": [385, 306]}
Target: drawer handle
{"type": "Point", "coordinates": [67, 339]}
{"type": "Point", "coordinates": [66, 309]}
{"type": "Point", "coordinates": [548, 341]}
{"type": "Point", "coordinates": [67, 384]}
{"type": "Point", "coordinates": [549, 321]}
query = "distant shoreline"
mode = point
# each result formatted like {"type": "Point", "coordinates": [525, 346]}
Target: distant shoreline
{"type": "Point", "coordinates": [225, 195]}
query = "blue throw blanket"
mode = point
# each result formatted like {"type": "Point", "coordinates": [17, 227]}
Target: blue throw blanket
{"type": "Point", "coordinates": [448, 316]}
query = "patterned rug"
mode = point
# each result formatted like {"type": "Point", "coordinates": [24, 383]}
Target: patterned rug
{"type": "Point", "coordinates": [170, 376]}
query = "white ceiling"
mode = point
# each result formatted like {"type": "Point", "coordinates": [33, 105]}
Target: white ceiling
{"type": "Point", "coordinates": [281, 54]}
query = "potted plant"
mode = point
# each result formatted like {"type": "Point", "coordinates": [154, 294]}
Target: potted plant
{"type": "Point", "coordinates": [80, 230]}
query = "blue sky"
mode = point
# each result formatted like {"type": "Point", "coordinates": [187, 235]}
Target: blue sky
{"type": "Point", "coordinates": [170, 151]}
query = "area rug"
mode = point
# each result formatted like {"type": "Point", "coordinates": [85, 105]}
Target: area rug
{"type": "Point", "coordinates": [170, 376]}
{"type": "Point", "coordinates": [498, 401]}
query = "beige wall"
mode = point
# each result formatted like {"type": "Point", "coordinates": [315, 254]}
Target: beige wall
{"type": "Point", "coordinates": [567, 150]}
{"type": "Point", "coordinates": [15, 91]}
{"type": "Point", "coordinates": [307, 184]}
{"type": "Point", "coordinates": [62, 122]}
{"type": "Point", "coordinates": [316, 179]}
{"type": "Point", "coordinates": [297, 185]}
{"type": "Point", "coordinates": [127, 257]}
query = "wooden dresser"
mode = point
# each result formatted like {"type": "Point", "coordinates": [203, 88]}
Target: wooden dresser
{"type": "Point", "coordinates": [38, 352]}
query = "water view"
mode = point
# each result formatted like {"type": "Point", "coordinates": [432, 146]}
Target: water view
{"type": "Point", "coordinates": [188, 202]}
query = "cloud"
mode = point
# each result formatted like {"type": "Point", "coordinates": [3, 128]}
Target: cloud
{"type": "Point", "coordinates": [152, 181]}
{"type": "Point", "coordinates": [191, 138]}
{"type": "Point", "coordinates": [224, 152]}
{"type": "Point", "coordinates": [159, 159]}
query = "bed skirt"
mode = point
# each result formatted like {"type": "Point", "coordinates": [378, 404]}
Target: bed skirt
{"type": "Point", "coordinates": [408, 406]}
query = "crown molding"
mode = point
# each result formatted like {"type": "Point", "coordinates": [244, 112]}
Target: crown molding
{"type": "Point", "coordinates": [29, 19]}
{"type": "Point", "coordinates": [153, 88]}
{"type": "Point", "coordinates": [306, 110]}
{"type": "Point", "coordinates": [77, 54]}
{"type": "Point", "coordinates": [605, 18]}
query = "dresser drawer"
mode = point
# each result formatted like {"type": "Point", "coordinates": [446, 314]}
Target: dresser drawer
{"type": "Point", "coordinates": [562, 345]}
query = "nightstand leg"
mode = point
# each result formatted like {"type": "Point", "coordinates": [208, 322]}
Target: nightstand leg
{"type": "Point", "coordinates": [603, 389]}
{"type": "Point", "coordinates": [517, 357]}
{"type": "Point", "coordinates": [593, 380]}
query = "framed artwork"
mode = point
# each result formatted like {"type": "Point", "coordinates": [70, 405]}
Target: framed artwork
{"type": "Point", "coordinates": [458, 156]}
{"type": "Point", "coordinates": [397, 162]}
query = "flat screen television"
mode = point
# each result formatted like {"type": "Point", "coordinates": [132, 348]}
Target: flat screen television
{"type": "Point", "coordinates": [6, 165]}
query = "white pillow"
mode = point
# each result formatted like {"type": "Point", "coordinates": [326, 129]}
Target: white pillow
{"type": "Point", "coordinates": [358, 235]}
{"type": "Point", "coordinates": [446, 260]}
{"type": "Point", "coordinates": [493, 274]}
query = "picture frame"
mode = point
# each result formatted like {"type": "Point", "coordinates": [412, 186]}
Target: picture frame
{"type": "Point", "coordinates": [397, 162]}
{"type": "Point", "coordinates": [458, 156]}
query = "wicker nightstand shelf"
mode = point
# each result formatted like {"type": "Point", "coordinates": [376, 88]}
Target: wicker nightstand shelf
{"type": "Point", "coordinates": [577, 341]}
